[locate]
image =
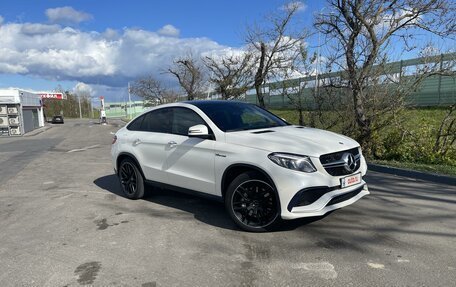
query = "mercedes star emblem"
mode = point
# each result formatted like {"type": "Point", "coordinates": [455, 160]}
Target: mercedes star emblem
{"type": "Point", "coordinates": [349, 160]}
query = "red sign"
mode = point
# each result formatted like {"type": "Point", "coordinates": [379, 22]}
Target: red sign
{"type": "Point", "coordinates": [56, 96]}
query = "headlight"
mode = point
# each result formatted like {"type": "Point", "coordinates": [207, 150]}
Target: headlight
{"type": "Point", "coordinates": [293, 161]}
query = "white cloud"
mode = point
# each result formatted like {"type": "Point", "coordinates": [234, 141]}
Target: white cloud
{"type": "Point", "coordinates": [12, 69]}
{"type": "Point", "coordinates": [384, 22]}
{"type": "Point", "coordinates": [35, 28]}
{"type": "Point", "coordinates": [218, 54]}
{"type": "Point", "coordinates": [1, 19]}
{"type": "Point", "coordinates": [169, 30]}
{"type": "Point", "coordinates": [109, 58]}
{"type": "Point", "coordinates": [110, 34]}
{"type": "Point", "coordinates": [67, 15]}
{"type": "Point", "coordinates": [298, 5]}
{"type": "Point", "coordinates": [83, 89]}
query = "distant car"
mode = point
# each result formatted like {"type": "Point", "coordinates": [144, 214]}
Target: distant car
{"type": "Point", "coordinates": [57, 119]}
{"type": "Point", "coordinates": [263, 168]}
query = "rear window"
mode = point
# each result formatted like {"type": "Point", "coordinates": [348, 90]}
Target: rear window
{"type": "Point", "coordinates": [158, 121]}
{"type": "Point", "coordinates": [136, 124]}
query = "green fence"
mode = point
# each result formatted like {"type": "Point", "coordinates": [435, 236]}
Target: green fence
{"type": "Point", "coordinates": [438, 90]}
{"type": "Point", "coordinates": [127, 110]}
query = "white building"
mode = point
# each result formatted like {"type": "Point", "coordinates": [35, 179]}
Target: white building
{"type": "Point", "coordinates": [20, 112]}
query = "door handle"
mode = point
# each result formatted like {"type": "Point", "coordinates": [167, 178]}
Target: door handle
{"type": "Point", "coordinates": [136, 142]}
{"type": "Point", "coordinates": [172, 144]}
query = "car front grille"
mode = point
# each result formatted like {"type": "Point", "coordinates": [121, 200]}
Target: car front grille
{"type": "Point", "coordinates": [335, 164]}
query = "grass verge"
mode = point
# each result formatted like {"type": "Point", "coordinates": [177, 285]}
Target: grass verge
{"type": "Point", "coordinates": [437, 169]}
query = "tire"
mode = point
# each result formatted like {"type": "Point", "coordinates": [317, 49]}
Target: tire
{"type": "Point", "coordinates": [131, 179]}
{"type": "Point", "coordinates": [253, 203]}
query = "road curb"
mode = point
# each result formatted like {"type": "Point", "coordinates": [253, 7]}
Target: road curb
{"type": "Point", "coordinates": [445, 179]}
{"type": "Point", "coordinates": [37, 131]}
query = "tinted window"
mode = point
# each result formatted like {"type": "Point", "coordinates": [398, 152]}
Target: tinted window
{"type": "Point", "coordinates": [235, 116]}
{"type": "Point", "coordinates": [158, 121]}
{"type": "Point", "coordinates": [183, 119]}
{"type": "Point", "coordinates": [136, 124]}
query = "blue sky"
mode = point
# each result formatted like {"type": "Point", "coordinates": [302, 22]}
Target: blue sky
{"type": "Point", "coordinates": [220, 20]}
{"type": "Point", "coordinates": [98, 46]}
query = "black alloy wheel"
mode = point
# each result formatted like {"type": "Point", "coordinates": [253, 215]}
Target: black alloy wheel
{"type": "Point", "coordinates": [252, 203]}
{"type": "Point", "coordinates": [131, 179]}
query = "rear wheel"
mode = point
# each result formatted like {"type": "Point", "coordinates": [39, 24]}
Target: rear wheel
{"type": "Point", "coordinates": [252, 202]}
{"type": "Point", "coordinates": [131, 180]}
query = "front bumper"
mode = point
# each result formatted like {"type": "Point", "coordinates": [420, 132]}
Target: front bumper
{"type": "Point", "coordinates": [331, 200]}
{"type": "Point", "coordinates": [290, 183]}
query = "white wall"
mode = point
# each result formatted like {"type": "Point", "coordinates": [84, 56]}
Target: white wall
{"type": "Point", "coordinates": [9, 97]}
{"type": "Point", "coordinates": [25, 99]}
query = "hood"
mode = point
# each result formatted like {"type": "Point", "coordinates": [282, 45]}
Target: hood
{"type": "Point", "coordinates": [292, 139]}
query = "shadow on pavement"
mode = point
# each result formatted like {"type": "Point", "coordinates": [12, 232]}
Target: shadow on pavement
{"type": "Point", "coordinates": [205, 210]}
{"type": "Point", "coordinates": [109, 183]}
{"type": "Point", "coordinates": [400, 216]}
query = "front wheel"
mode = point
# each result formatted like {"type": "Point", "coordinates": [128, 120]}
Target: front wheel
{"type": "Point", "coordinates": [252, 202]}
{"type": "Point", "coordinates": [131, 179]}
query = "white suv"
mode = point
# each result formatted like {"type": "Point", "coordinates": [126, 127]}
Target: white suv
{"type": "Point", "coordinates": [261, 167]}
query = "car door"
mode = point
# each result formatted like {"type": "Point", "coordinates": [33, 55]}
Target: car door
{"type": "Point", "coordinates": [151, 144]}
{"type": "Point", "coordinates": [190, 160]}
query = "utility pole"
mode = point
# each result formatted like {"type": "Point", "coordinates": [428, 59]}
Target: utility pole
{"type": "Point", "coordinates": [91, 107]}
{"type": "Point", "coordinates": [79, 100]}
{"type": "Point", "coordinates": [129, 99]}
{"type": "Point", "coordinates": [317, 68]}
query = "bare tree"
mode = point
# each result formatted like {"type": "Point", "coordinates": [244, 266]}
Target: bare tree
{"type": "Point", "coordinates": [150, 89]}
{"type": "Point", "coordinates": [276, 45]}
{"type": "Point", "coordinates": [232, 74]}
{"type": "Point", "coordinates": [296, 90]}
{"type": "Point", "coordinates": [359, 34]}
{"type": "Point", "coordinates": [189, 75]}
{"type": "Point", "coordinates": [446, 135]}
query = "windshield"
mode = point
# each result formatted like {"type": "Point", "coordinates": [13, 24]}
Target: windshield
{"type": "Point", "coordinates": [235, 116]}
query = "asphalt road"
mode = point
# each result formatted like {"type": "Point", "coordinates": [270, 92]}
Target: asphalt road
{"type": "Point", "coordinates": [63, 222]}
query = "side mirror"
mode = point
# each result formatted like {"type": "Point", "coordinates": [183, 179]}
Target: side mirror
{"type": "Point", "coordinates": [199, 131]}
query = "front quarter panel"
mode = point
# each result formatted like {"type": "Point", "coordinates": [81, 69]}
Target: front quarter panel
{"type": "Point", "coordinates": [227, 154]}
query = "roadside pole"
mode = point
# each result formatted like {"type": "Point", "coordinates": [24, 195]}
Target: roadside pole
{"type": "Point", "coordinates": [79, 100]}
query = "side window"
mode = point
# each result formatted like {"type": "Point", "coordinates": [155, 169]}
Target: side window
{"type": "Point", "coordinates": [158, 121]}
{"type": "Point", "coordinates": [136, 124]}
{"type": "Point", "coordinates": [183, 119]}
